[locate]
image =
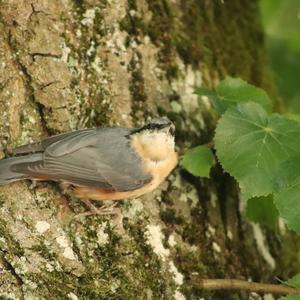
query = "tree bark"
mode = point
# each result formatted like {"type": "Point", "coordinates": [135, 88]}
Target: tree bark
{"type": "Point", "coordinates": [66, 65]}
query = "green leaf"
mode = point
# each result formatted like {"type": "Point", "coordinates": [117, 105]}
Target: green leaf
{"type": "Point", "coordinates": [251, 144]}
{"type": "Point", "coordinates": [235, 90]}
{"type": "Point", "coordinates": [290, 297]}
{"type": "Point", "coordinates": [262, 210]}
{"type": "Point", "coordinates": [198, 161]}
{"type": "Point", "coordinates": [205, 92]}
{"type": "Point", "coordinates": [232, 91]}
{"type": "Point", "coordinates": [287, 197]}
{"type": "Point", "coordinates": [295, 117]}
{"type": "Point", "coordinates": [294, 281]}
{"type": "Point", "coordinates": [219, 105]}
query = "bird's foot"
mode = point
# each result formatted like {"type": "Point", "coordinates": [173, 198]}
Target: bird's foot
{"type": "Point", "coordinates": [104, 210]}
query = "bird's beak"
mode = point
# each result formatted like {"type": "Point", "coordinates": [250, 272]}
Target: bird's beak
{"type": "Point", "coordinates": [172, 129]}
{"type": "Point", "coordinates": [169, 128]}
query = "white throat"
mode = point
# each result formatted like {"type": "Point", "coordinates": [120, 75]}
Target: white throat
{"type": "Point", "coordinates": [156, 146]}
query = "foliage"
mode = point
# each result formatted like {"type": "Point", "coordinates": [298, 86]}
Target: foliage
{"type": "Point", "coordinates": [281, 22]}
{"type": "Point", "coordinates": [262, 210]}
{"type": "Point", "coordinates": [198, 161]}
{"type": "Point", "coordinates": [290, 297]}
{"type": "Point", "coordinates": [293, 282]}
{"type": "Point", "coordinates": [260, 149]}
{"type": "Point", "coordinates": [251, 144]}
{"type": "Point", "coordinates": [235, 90]}
{"type": "Point", "coordinates": [287, 196]}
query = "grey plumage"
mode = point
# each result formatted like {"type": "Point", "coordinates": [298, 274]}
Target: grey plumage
{"type": "Point", "coordinates": [96, 157]}
{"type": "Point", "coordinates": [7, 174]}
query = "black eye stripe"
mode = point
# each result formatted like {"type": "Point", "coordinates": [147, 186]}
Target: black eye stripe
{"type": "Point", "coordinates": [153, 126]}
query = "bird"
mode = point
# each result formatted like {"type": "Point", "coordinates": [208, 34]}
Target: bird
{"type": "Point", "coordinates": [109, 163]}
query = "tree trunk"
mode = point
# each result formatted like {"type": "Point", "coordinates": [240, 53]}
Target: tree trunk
{"type": "Point", "coordinates": [66, 65]}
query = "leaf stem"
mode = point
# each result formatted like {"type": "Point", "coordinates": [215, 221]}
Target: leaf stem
{"type": "Point", "coordinates": [243, 285]}
{"type": "Point", "coordinates": [209, 145]}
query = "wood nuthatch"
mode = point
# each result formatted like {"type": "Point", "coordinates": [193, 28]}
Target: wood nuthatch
{"type": "Point", "coordinates": [99, 163]}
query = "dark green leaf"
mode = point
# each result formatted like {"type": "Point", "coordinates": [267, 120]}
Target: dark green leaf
{"type": "Point", "coordinates": [294, 281]}
{"type": "Point", "coordinates": [236, 90]}
{"type": "Point", "coordinates": [290, 297]}
{"type": "Point", "coordinates": [219, 105]}
{"type": "Point", "coordinates": [251, 144]}
{"type": "Point", "coordinates": [232, 91]}
{"type": "Point", "coordinates": [198, 161]}
{"type": "Point", "coordinates": [295, 117]}
{"type": "Point", "coordinates": [287, 197]}
{"type": "Point", "coordinates": [262, 210]}
{"type": "Point", "coordinates": [205, 92]}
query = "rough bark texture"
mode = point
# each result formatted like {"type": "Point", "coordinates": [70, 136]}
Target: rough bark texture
{"type": "Point", "coordinates": [66, 65]}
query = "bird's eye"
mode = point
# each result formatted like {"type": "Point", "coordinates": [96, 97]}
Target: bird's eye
{"type": "Point", "coordinates": [172, 130]}
{"type": "Point", "coordinates": [151, 126]}
{"type": "Point", "coordinates": [155, 126]}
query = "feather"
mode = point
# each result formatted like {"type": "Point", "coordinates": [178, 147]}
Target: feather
{"type": "Point", "coordinates": [94, 157]}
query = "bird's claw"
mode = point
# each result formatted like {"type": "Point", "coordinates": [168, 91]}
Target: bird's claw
{"type": "Point", "coordinates": [105, 210]}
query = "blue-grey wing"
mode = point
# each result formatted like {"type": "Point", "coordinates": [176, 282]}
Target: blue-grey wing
{"type": "Point", "coordinates": [42, 145]}
{"type": "Point", "coordinates": [102, 158]}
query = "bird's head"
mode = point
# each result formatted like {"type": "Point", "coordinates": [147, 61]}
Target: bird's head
{"type": "Point", "coordinates": [157, 138]}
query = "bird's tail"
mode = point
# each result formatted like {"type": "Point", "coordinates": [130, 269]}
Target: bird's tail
{"type": "Point", "coordinates": [9, 167]}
